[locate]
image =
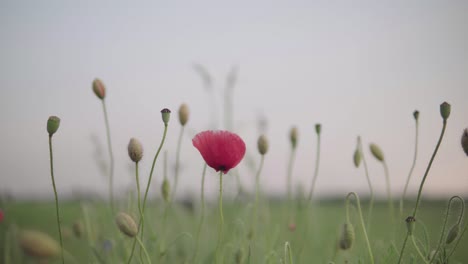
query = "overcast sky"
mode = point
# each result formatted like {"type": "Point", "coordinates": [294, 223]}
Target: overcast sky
{"type": "Point", "coordinates": [357, 67]}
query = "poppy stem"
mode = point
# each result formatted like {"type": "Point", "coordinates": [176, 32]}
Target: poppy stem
{"type": "Point", "coordinates": [257, 195]}
{"type": "Point", "coordinates": [317, 162]}
{"type": "Point", "coordinates": [202, 214]}
{"type": "Point", "coordinates": [363, 226]}
{"type": "Point", "coordinates": [111, 156]}
{"type": "Point", "coordinates": [177, 164]}
{"type": "Point", "coordinates": [221, 217]}
{"type": "Point", "coordinates": [391, 208]}
{"type": "Point", "coordinates": [371, 190]}
{"type": "Point", "coordinates": [402, 201]}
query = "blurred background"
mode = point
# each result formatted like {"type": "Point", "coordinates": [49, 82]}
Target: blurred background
{"type": "Point", "coordinates": [358, 68]}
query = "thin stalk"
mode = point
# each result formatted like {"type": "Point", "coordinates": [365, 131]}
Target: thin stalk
{"type": "Point", "coordinates": [221, 216]}
{"type": "Point", "coordinates": [389, 194]}
{"type": "Point", "coordinates": [418, 250]}
{"type": "Point", "coordinates": [202, 198]}
{"type": "Point", "coordinates": [371, 190]}
{"type": "Point", "coordinates": [411, 170]}
{"type": "Point", "coordinates": [363, 226]}
{"type": "Point", "coordinates": [422, 184]}
{"type": "Point", "coordinates": [111, 156]}
{"type": "Point", "coordinates": [287, 252]}
{"type": "Point", "coordinates": [144, 249]}
{"type": "Point", "coordinates": [316, 171]}
{"type": "Point", "coordinates": [56, 196]}
{"type": "Point", "coordinates": [289, 181]}
{"type": "Point", "coordinates": [137, 178]}
{"type": "Point", "coordinates": [177, 164]}
{"type": "Point", "coordinates": [257, 193]}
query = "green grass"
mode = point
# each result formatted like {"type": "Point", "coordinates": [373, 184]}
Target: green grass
{"type": "Point", "coordinates": [313, 241]}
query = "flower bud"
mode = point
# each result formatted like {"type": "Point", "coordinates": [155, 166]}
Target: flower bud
{"type": "Point", "coordinates": [39, 245]}
{"type": "Point", "coordinates": [135, 150]}
{"type": "Point", "coordinates": [377, 152]}
{"type": "Point", "coordinates": [165, 189]}
{"type": "Point", "coordinates": [464, 141]}
{"type": "Point", "coordinates": [416, 115]}
{"type": "Point", "coordinates": [53, 124]}
{"type": "Point", "coordinates": [410, 224]}
{"type": "Point", "coordinates": [347, 236]}
{"type": "Point", "coordinates": [99, 89]}
{"type": "Point", "coordinates": [318, 128]}
{"type": "Point", "coordinates": [262, 145]}
{"type": "Point", "coordinates": [126, 224]}
{"type": "Point", "coordinates": [184, 114]}
{"type": "Point", "coordinates": [166, 115]}
{"type": "Point", "coordinates": [293, 136]}
{"type": "Point", "coordinates": [78, 228]}
{"type": "Point", "coordinates": [357, 157]}
{"type": "Point", "coordinates": [445, 110]}
{"type": "Point", "coordinates": [453, 233]}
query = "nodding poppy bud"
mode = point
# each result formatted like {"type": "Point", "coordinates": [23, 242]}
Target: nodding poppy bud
{"type": "Point", "coordinates": [293, 137]}
{"type": "Point", "coordinates": [165, 190]}
{"type": "Point", "coordinates": [347, 236]}
{"type": "Point", "coordinates": [99, 89]}
{"type": "Point", "coordinates": [166, 115]}
{"type": "Point", "coordinates": [416, 115]}
{"type": "Point", "coordinates": [78, 228]}
{"type": "Point", "coordinates": [53, 124]}
{"type": "Point", "coordinates": [410, 224]}
{"type": "Point", "coordinates": [377, 152]}
{"type": "Point", "coordinates": [39, 245]}
{"type": "Point", "coordinates": [262, 145]}
{"type": "Point", "coordinates": [318, 128]}
{"type": "Point", "coordinates": [184, 114]}
{"type": "Point", "coordinates": [453, 233]}
{"type": "Point", "coordinates": [445, 110]}
{"type": "Point", "coordinates": [464, 141]}
{"type": "Point", "coordinates": [135, 150]}
{"type": "Point", "coordinates": [126, 224]}
{"type": "Point", "coordinates": [239, 256]}
{"type": "Point", "coordinates": [357, 157]}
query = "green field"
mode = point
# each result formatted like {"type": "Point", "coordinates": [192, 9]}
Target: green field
{"type": "Point", "coordinates": [173, 241]}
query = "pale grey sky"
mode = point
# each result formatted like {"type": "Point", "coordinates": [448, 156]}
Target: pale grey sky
{"type": "Point", "coordinates": [357, 67]}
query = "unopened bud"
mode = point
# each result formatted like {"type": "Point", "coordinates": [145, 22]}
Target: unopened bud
{"type": "Point", "coordinates": [377, 152]}
{"type": "Point", "coordinates": [453, 233]}
{"type": "Point", "coordinates": [347, 236]}
{"type": "Point", "coordinates": [166, 190]}
{"type": "Point", "coordinates": [78, 228]}
{"type": "Point", "coordinates": [184, 114]}
{"type": "Point", "coordinates": [318, 128]}
{"type": "Point", "coordinates": [135, 150]}
{"type": "Point", "coordinates": [39, 245]}
{"type": "Point", "coordinates": [166, 115]}
{"type": "Point", "coordinates": [99, 89]}
{"type": "Point", "coordinates": [464, 141]}
{"type": "Point", "coordinates": [293, 136]}
{"type": "Point", "coordinates": [126, 224]}
{"type": "Point", "coordinates": [445, 110]}
{"type": "Point", "coordinates": [357, 157]}
{"type": "Point", "coordinates": [416, 115]}
{"type": "Point", "coordinates": [262, 145]}
{"type": "Point", "coordinates": [410, 222]}
{"type": "Point", "coordinates": [53, 124]}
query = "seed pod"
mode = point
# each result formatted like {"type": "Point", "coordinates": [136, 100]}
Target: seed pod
{"type": "Point", "coordinates": [453, 233]}
{"type": "Point", "coordinates": [416, 115]}
{"type": "Point", "coordinates": [347, 236]}
{"type": "Point", "coordinates": [78, 228]}
{"type": "Point", "coordinates": [410, 222]}
{"type": "Point", "coordinates": [445, 110]}
{"type": "Point", "coordinates": [166, 115]}
{"type": "Point", "coordinates": [377, 152]}
{"type": "Point", "coordinates": [126, 224]}
{"type": "Point", "coordinates": [39, 245]}
{"type": "Point", "coordinates": [135, 150]}
{"type": "Point", "coordinates": [99, 89]}
{"type": "Point", "coordinates": [357, 157]}
{"type": "Point", "coordinates": [184, 114]}
{"type": "Point", "coordinates": [262, 145]}
{"type": "Point", "coordinates": [53, 124]}
{"type": "Point", "coordinates": [165, 190]}
{"type": "Point", "coordinates": [318, 128]}
{"type": "Point", "coordinates": [464, 141]}
{"type": "Point", "coordinates": [293, 134]}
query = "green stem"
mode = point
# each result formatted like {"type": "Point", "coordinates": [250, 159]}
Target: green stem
{"type": "Point", "coordinates": [138, 190]}
{"type": "Point", "coordinates": [389, 194]}
{"type": "Point", "coordinates": [289, 182]}
{"type": "Point", "coordinates": [111, 156]}
{"type": "Point", "coordinates": [221, 216]}
{"type": "Point", "coordinates": [202, 198]}
{"type": "Point", "coordinates": [371, 190]}
{"type": "Point", "coordinates": [411, 170]}
{"type": "Point", "coordinates": [287, 252]}
{"type": "Point", "coordinates": [56, 196]}
{"type": "Point", "coordinates": [144, 249]}
{"type": "Point", "coordinates": [177, 164]}
{"type": "Point", "coordinates": [371, 256]}
{"type": "Point", "coordinates": [422, 184]}
{"type": "Point", "coordinates": [257, 194]}
{"type": "Point", "coordinates": [317, 162]}
{"type": "Point", "coordinates": [458, 241]}
{"type": "Point", "coordinates": [418, 250]}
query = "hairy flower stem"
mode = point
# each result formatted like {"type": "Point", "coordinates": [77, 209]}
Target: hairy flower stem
{"type": "Point", "coordinates": [257, 194]}
{"type": "Point", "coordinates": [422, 185]}
{"type": "Point", "coordinates": [111, 156]}
{"type": "Point", "coordinates": [202, 217]}
{"type": "Point", "coordinates": [391, 208]}
{"type": "Point", "coordinates": [177, 164]}
{"type": "Point", "coordinates": [402, 200]}
{"type": "Point", "coordinates": [371, 190]}
{"type": "Point", "coordinates": [289, 182]}
{"type": "Point", "coordinates": [56, 196]}
{"type": "Point", "coordinates": [317, 162]}
{"type": "Point", "coordinates": [371, 256]}
{"type": "Point", "coordinates": [142, 222]}
{"type": "Point", "coordinates": [221, 217]}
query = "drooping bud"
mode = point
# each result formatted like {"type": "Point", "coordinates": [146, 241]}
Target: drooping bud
{"type": "Point", "coordinates": [184, 114]}
{"type": "Point", "coordinates": [135, 150]}
{"type": "Point", "coordinates": [416, 115]}
{"type": "Point", "coordinates": [38, 244]}
{"type": "Point", "coordinates": [53, 124]}
{"type": "Point", "coordinates": [445, 110]}
{"type": "Point", "coordinates": [376, 152]}
{"type": "Point", "coordinates": [357, 157]}
{"type": "Point", "coordinates": [126, 224]}
{"type": "Point", "coordinates": [347, 236]}
{"type": "Point", "coordinates": [293, 134]}
{"type": "Point", "coordinates": [166, 115]}
{"type": "Point", "coordinates": [453, 233]}
{"type": "Point", "coordinates": [410, 222]}
{"type": "Point", "coordinates": [318, 128]}
{"type": "Point", "coordinates": [464, 141]}
{"type": "Point", "coordinates": [262, 145]}
{"type": "Point", "coordinates": [99, 89]}
{"type": "Point", "coordinates": [78, 228]}
{"type": "Point", "coordinates": [165, 190]}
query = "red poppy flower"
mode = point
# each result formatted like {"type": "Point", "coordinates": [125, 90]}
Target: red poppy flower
{"type": "Point", "coordinates": [221, 150]}
{"type": "Point", "coordinates": [1, 215]}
